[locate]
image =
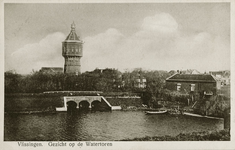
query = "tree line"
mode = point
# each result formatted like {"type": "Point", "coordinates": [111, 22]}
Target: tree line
{"type": "Point", "coordinates": [107, 80]}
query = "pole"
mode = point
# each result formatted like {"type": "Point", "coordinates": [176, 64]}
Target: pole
{"type": "Point", "coordinates": [227, 118]}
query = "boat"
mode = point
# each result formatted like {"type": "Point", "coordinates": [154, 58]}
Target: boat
{"type": "Point", "coordinates": [156, 112]}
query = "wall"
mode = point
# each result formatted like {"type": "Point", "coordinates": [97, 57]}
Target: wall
{"type": "Point", "coordinates": [72, 52]}
{"type": "Point", "coordinates": [72, 49]}
{"type": "Point", "coordinates": [38, 102]}
{"type": "Point", "coordinates": [72, 65]}
{"type": "Point", "coordinates": [186, 86]}
{"type": "Point", "coordinates": [104, 106]}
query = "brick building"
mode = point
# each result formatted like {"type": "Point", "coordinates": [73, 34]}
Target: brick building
{"type": "Point", "coordinates": [196, 83]}
{"type": "Point", "coordinates": [72, 51]}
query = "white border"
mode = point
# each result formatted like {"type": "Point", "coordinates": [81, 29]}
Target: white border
{"type": "Point", "coordinates": [125, 145]}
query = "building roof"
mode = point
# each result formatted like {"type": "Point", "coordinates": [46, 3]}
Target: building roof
{"type": "Point", "coordinates": [72, 35]}
{"type": "Point", "coordinates": [51, 70]}
{"type": "Point", "coordinates": [224, 73]}
{"type": "Point", "coordinates": [192, 78]}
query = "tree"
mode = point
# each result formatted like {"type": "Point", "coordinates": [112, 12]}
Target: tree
{"type": "Point", "coordinates": [155, 86]}
{"type": "Point", "coordinates": [12, 82]}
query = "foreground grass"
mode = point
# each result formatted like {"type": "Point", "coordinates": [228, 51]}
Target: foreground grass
{"type": "Point", "coordinates": [223, 135]}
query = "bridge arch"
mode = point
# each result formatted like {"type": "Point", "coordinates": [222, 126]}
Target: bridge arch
{"type": "Point", "coordinates": [71, 106]}
{"type": "Point", "coordinates": [84, 102]}
{"type": "Point", "coordinates": [95, 105]}
{"type": "Point", "coordinates": [83, 105]}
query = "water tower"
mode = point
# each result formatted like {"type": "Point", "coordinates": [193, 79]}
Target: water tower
{"type": "Point", "coordinates": [72, 49]}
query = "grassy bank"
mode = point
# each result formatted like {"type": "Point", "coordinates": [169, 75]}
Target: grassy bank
{"type": "Point", "coordinates": [24, 102]}
{"type": "Point", "coordinates": [223, 135]}
{"type": "Point", "coordinates": [124, 102]}
{"type": "Point", "coordinates": [31, 102]}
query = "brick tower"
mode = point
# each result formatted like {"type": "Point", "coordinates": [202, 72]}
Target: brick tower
{"type": "Point", "coordinates": [72, 52]}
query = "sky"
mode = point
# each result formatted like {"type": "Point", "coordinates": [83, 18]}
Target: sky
{"type": "Point", "coordinates": [152, 36]}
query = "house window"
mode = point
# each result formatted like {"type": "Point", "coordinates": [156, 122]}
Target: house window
{"type": "Point", "coordinates": [178, 86]}
{"type": "Point", "coordinates": [192, 87]}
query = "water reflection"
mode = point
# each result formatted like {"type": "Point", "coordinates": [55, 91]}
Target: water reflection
{"type": "Point", "coordinates": [100, 126]}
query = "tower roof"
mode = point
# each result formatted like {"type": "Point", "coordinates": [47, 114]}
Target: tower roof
{"type": "Point", "coordinates": [72, 35]}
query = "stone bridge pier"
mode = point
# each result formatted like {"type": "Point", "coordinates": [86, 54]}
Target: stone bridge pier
{"type": "Point", "coordinates": [80, 102]}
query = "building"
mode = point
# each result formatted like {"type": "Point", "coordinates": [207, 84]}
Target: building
{"type": "Point", "coordinates": [196, 83]}
{"type": "Point", "coordinates": [223, 76]}
{"type": "Point", "coordinates": [140, 83]}
{"type": "Point", "coordinates": [72, 51]}
{"type": "Point", "coordinates": [190, 71]}
{"type": "Point", "coordinates": [51, 70]}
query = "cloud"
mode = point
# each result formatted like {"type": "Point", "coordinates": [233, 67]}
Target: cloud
{"type": "Point", "coordinates": [45, 53]}
{"type": "Point", "coordinates": [161, 22]}
{"type": "Point", "coordinates": [159, 44]}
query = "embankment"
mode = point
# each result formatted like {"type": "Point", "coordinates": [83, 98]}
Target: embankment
{"type": "Point", "coordinates": [125, 102]}
{"type": "Point", "coordinates": [31, 102]}
{"type": "Point", "coordinates": [223, 135]}
{"type": "Point", "coordinates": [45, 102]}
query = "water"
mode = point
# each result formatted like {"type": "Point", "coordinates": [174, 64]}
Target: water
{"type": "Point", "coordinates": [100, 126]}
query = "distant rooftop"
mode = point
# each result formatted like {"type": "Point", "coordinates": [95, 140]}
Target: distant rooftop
{"type": "Point", "coordinates": [192, 78]}
{"type": "Point", "coordinates": [52, 70]}
{"type": "Point", "coordinates": [188, 71]}
{"type": "Point", "coordinates": [224, 73]}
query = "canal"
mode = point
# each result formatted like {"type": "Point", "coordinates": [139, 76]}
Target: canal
{"type": "Point", "coordinates": [100, 126]}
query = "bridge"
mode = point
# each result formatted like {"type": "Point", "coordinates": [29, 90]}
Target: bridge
{"type": "Point", "coordinates": [85, 102]}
